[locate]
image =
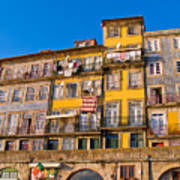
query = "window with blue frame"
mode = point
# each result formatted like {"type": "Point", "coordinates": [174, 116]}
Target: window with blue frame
{"type": "Point", "coordinates": [112, 141]}
{"type": "Point", "coordinates": [136, 140]}
{"type": "Point", "coordinates": [52, 145]}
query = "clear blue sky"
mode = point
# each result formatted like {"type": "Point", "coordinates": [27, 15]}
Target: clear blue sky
{"type": "Point", "coordinates": [28, 26]}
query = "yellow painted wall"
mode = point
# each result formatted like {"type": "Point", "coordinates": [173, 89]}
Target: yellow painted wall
{"type": "Point", "coordinates": [71, 102]}
{"type": "Point", "coordinates": [173, 122]}
{"type": "Point", "coordinates": [124, 95]}
{"type": "Point", "coordinates": [124, 39]}
{"type": "Point", "coordinates": [80, 56]}
{"type": "Point", "coordinates": [125, 140]}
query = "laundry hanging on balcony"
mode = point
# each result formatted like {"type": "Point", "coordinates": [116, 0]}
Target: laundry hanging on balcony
{"type": "Point", "coordinates": [68, 68]}
{"type": "Point", "coordinates": [124, 56]}
{"type": "Point", "coordinates": [89, 104]}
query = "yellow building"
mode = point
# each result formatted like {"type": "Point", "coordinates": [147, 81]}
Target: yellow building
{"type": "Point", "coordinates": [124, 104]}
{"type": "Point", "coordinates": [77, 96]}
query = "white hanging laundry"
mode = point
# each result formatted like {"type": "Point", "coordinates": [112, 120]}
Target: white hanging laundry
{"type": "Point", "coordinates": [67, 72]}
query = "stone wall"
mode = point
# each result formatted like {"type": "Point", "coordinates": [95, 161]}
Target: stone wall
{"type": "Point", "coordinates": [105, 162]}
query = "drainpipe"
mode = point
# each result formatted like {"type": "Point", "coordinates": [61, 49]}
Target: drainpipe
{"type": "Point", "coordinates": [149, 158]}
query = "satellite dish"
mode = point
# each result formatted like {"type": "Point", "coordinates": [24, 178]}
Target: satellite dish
{"type": "Point", "coordinates": [118, 45]}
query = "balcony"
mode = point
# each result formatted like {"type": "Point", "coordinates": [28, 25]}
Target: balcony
{"type": "Point", "coordinates": [163, 130]}
{"type": "Point", "coordinates": [163, 99]}
{"type": "Point", "coordinates": [120, 122]}
{"type": "Point", "coordinates": [122, 56]}
{"type": "Point", "coordinates": [77, 68]}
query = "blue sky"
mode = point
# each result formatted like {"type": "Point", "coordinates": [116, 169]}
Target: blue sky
{"type": "Point", "coordinates": [28, 26]}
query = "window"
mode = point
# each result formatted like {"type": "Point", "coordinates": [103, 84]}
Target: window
{"type": "Point", "coordinates": [58, 91]}
{"type": "Point", "coordinates": [97, 87]}
{"type": "Point", "coordinates": [156, 96]}
{"type": "Point", "coordinates": [178, 66]}
{"type": "Point", "coordinates": [112, 115]}
{"type": "Point", "coordinates": [52, 145]}
{"type": "Point", "coordinates": [135, 113]}
{"type": "Point", "coordinates": [27, 123]}
{"type": "Point", "coordinates": [95, 119]}
{"type": "Point", "coordinates": [13, 124]}
{"type": "Point", "coordinates": [3, 96]}
{"type": "Point", "coordinates": [8, 74]}
{"type": "Point", "coordinates": [8, 173]}
{"type": "Point", "coordinates": [10, 146]}
{"type": "Point", "coordinates": [34, 71]}
{"type": "Point", "coordinates": [112, 141]}
{"type": "Point", "coordinates": [30, 94]}
{"type": "Point", "coordinates": [136, 140]}
{"type": "Point", "coordinates": [127, 172]}
{"type": "Point", "coordinates": [94, 143]}
{"type": "Point", "coordinates": [98, 62]}
{"type": "Point", "coordinates": [24, 145]}
{"type": "Point", "coordinates": [83, 125]}
{"type": "Point", "coordinates": [1, 123]}
{"type": "Point", "coordinates": [43, 93]}
{"type": "Point", "coordinates": [37, 144]}
{"type": "Point", "coordinates": [47, 69]}
{"type": "Point", "coordinates": [135, 79]}
{"type": "Point", "coordinates": [82, 143]}
{"type": "Point", "coordinates": [68, 144]}
{"type": "Point", "coordinates": [89, 64]}
{"type": "Point", "coordinates": [153, 45]}
{"type": "Point", "coordinates": [113, 31]}
{"type": "Point", "coordinates": [113, 81]}
{"type": "Point", "coordinates": [176, 43]}
{"type": "Point", "coordinates": [159, 124]}
{"type": "Point", "coordinates": [40, 122]}
{"type": "Point", "coordinates": [133, 30]}
{"type": "Point", "coordinates": [1, 145]}
{"type": "Point", "coordinates": [16, 95]}
{"type": "Point", "coordinates": [91, 88]}
{"type": "Point", "coordinates": [155, 68]}
{"type": "Point", "coordinates": [71, 90]}
{"type": "Point", "coordinates": [53, 126]}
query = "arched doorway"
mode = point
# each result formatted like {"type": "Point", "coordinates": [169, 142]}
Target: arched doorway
{"type": "Point", "coordinates": [85, 174]}
{"type": "Point", "coordinates": [171, 174]}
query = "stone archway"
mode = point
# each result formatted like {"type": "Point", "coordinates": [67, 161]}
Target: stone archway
{"type": "Point", "coordinates": [85, 174]}
{"type": "Point", "coordinates": [171, 174]}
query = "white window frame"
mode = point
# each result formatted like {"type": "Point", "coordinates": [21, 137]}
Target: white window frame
{"type": "Point", "coordinates": [112, 114]}
{"type": "Point", "coordinates": [113, 31]}
{"type": "Point", "coordinates": [153, 45]}
{"type": "Point", "coordinates": [13, 123]}
{"type": "Point", "coordinates": [113, 81]}
{"type": "Point", "coordinates": [178, 66]}
{"type": "Point", "coordinates": [159, 123]}
{"type": "Point", "coordinates": [69, 91]}
{"type": "Point", "coordinates": [3, 96]}
{"type": "Point", "coordinates": [135, 112]}
{"type": "Point", "coordinates": [135, 79]}
{"type": "Point", "coordinates": [155, 68]}
{"type": "Point", "coordinates": [18, 95]}
{"type": "Point", "coordinates": [176, 43]}
{"type": "Point", "coordinates": [83, 122]}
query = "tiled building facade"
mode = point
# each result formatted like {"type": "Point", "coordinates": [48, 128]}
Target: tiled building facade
{"type": "Point", "coordinates": [93, 111]}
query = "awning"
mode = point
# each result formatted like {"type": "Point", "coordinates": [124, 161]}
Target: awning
{"type": "Point", "coordinates": [60, 116]}
{"type": "Point", "coordinates": [46, 165]}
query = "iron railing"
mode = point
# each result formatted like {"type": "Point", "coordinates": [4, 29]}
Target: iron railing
{"type": "Point", "coordinates": [163, 99]}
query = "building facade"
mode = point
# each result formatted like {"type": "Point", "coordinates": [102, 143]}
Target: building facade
{"type": "Point", "coordinates": [162, 59]}
{"type": "Point", "coordinates": [94, 111]}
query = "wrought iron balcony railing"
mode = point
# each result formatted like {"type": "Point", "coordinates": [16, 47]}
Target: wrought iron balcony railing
{"type": "Point", "coordinates": [163, 99]}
